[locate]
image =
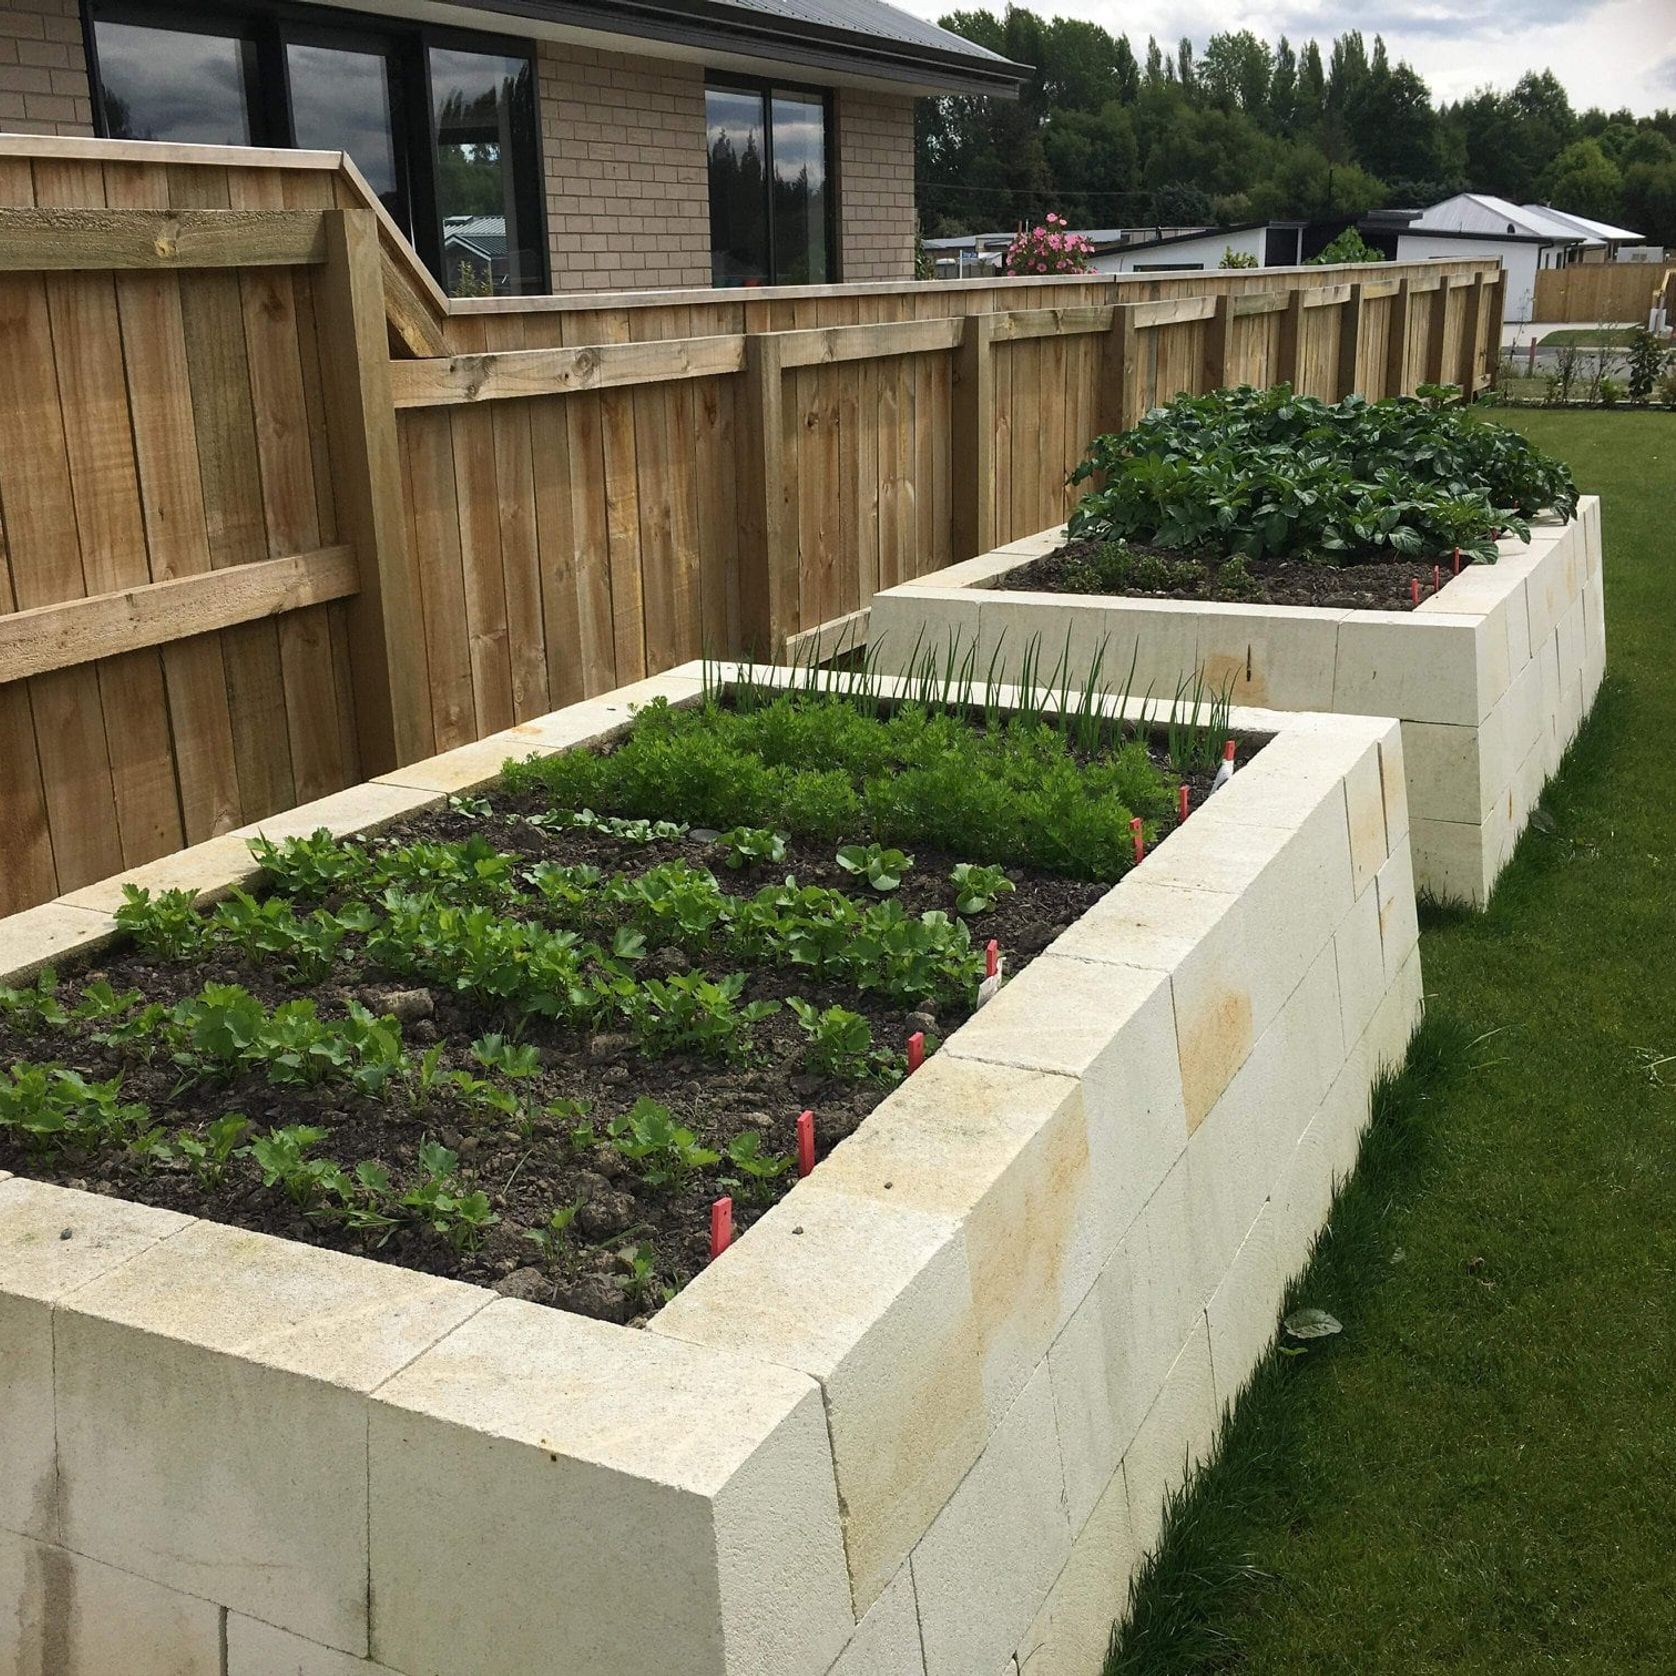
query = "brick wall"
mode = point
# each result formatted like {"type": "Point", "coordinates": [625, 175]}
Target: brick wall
{"type": "Point", "coordinates": [628, 204]}
{"type": "Point", "coordinates": [43, 69]}
{"type": "Point", "coordinates": [876, 185]}
{"type": "Point", "coordinates": [628, 198]}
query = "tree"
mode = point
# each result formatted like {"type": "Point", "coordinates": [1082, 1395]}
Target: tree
{"type": "Point", "coordinates": [1584, 180]}
{"type": "Point", "coordinates": [1235, 72]}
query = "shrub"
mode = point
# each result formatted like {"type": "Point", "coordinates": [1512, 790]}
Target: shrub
{"type": "Point", "coordinates": [1349, 246]}
{"type": "Point", "coordinates": [1646, 358]}
{"type": "Point", "coordinates": [1232, 258]}
{"type": "Point", "coordinates": [1268, 474]}
{"type": "Point", "coordinates": [1051, 248]}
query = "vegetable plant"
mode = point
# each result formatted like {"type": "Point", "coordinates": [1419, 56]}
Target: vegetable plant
{"type": "Point", "coordinates": [666, 1152]}
{"type": "Point", "coordinates": [883, 869]}
{"type": "Point", "coordinates": [976, 886]}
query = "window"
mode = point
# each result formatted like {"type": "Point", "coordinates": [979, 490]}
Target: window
{"type": "Point", "coordinates": [442, 125]}
{"type": "Point", "coordinates": [771, 198]}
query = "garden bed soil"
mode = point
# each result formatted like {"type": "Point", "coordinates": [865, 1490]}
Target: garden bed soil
{"type": "Point", "coordinates": [527, 1177]}
{"type": "Point", "coordinates": [1364, 585]}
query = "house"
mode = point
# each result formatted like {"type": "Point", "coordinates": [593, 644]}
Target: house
{"type": "Point", "coordinates": [1483, 213]}
{"type": "Point", "coordinates": [589, 145]}
{"type": "Point", "coordinates": [1612, 240]}
{"type": "Point", "coordinates": [974, 255]}
{"type": "Point", "coordinates": [1267, 244]}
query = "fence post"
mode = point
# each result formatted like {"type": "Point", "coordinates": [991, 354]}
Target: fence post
{"type": "Point", "coordinates": [386, 618]}
{"type": "Point", "coordinates": [1494, 311]}
{"type": "Point", "coordinates": [1470, 318]}
{"type": "Point", "coordinates": [1396, 343]}
{"type": "Point", "coordinates": [1289, 354]}
{"type": "Point", "coordinates": [1437, 322]}
{"type": "Point", "coordinates": [1217, 328]}
{"type": "Point", "coordinates": [768, 555]}
{"type": "Point", "coordinates": [1120, 372]}
{"type": "Point", "coordinates": [1350, 378]}
{"type": "Point", "coordinates": [972, 438]}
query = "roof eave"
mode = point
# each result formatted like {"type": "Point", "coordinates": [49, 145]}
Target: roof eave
{"type": "Point", "coordinates": [702, 25]}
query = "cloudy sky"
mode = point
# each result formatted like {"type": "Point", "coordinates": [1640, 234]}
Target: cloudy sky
{"type": "Point", "coordinates": [1611, 52]}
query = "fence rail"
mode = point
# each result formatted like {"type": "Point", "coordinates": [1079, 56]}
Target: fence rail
{"type": "Point", "coordinates": [1590, 291]}
{"type": "Point", "coordinates": [274, 515]}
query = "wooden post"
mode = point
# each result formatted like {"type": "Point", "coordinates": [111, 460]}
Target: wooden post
{"type": "Point", "coordinates": [1215, 374]}
{"type": "Point", "coordinates": [1396, 343]}
{"type": "Point", "coordinates": [1470, 318]}
{"type": "Point", "coordinates": [1120, 372]}
{"type": "Point", "coordinates": [972, 438]}
{"type": "Point", "coordinates": [769, 592]}
{"type": "Point", "coordinates": [1289, 357]}
{"type": "Point", "coordinates": [1437, 320]}
{"type": "Point", "coordinates": [1350, 374]}
{"type": "Point", "coordinates": [1495, 305]}
{"type": "Point", "coordinates": [386, 618]}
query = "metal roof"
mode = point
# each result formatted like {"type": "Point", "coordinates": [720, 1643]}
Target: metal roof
{"type": "Point", "coordinates": [859, 37]}
{"type": "Point", "coordinates": [1471, 212]}
{"type": "Point", "coordinates": [1591, 229]}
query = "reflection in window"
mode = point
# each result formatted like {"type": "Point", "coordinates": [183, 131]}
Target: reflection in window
{"type": "Point", "coordinates": [340, 101]}
{"type": "Point", "coordinates": [484, 107]}
{"type": "Point", "coordinates": [738, 203]}
{"type": "Point", "coordinates": [769, 203]}
{"type": "Point", "coordinates": [799, 190]}
{"type": "Point", "coordinates": [167, 84]}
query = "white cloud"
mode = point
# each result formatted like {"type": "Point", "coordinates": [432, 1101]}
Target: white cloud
{"type": "Point", "coordinates": [1612, 53]}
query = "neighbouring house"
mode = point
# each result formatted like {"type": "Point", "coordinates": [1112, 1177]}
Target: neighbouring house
{"type": "Point", "coordinates": [1267, 244]}
{"type": "Point", "coordinates": [974, 255]}
{"type": "Point", "coordinates": [540, 145]}
{"type": "Point", "coordinates": [1605, 243]}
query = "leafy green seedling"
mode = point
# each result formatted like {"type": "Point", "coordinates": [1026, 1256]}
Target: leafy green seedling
{"type": "Point", "coordinates": [977, 886]}
{"type": "Point", "coordinates": [748, 846]}
{"type": "Point", "coordinates": [552, 1239]}
{"type": "Point", "coordinates": [840, 1042]}
{"type": "Point", "coordinates": [667, 1152]}
{"type": "Point", "coordinates": [511, 1059]}
{"type": "Point", "coordinates": [208, 1155]}
{"type": "Point", "coordinates": [167, 925]}
{"type": "Point", "coordinates": [882, 868]}
{"type": "Point", "coordinates": [756, 1167]}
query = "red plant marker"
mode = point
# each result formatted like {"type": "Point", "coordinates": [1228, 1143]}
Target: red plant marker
{"type": "Point", "coordinates": [992, 957]}
{"type": "Point", "coordinates": [916, 1051]}
{"type": "Point", "coordinates": [1140, 839]}
{"type": "Point", "coordinates": [1437, 578]}
{"type": "Point", "coordinates": [805, 1142]}
{"type": "Point", "coordinates": [721, 1227]}
{"type": "Point", "coordinates": [1414, 589]}
{"type": "Point", "coordinates": [1181, 801]}
{"type": "Point", "coordinates": [1457, 561]}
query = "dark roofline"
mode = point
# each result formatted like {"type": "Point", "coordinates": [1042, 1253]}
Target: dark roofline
{"type": "Point", "coordinates": [717, 26]}
{"type": "Point", "coordinates": [1203, 233]}
{"type": "Point", "coordinates": [1413, 232]}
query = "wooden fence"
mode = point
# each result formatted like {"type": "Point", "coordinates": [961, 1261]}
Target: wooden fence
{"type": "Point", "coordinates": [1618, 292]}
{"type": "Point", "coordinates": [275, 515]}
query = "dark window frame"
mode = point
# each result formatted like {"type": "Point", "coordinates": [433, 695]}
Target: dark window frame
{"type": "Point", "coordinates": [272, 25]}
{"type": "Point", "coordinates": [766, 88]}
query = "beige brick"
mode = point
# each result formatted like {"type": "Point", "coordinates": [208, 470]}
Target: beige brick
{"type": "Point", "coordinates": [886, 1641]}
{"type": "Point", "coordinates": [1399, 929]}
{"type": "Point", "coordinates": [1394, 663]}
{"type": "Point", "coordinates": [1178, 1433]}
{"type": "Point", "coordinates": [874, 1300]}
{"type": "Point", "coordinates": [211, 869]}
{"type": "Point", "coordinates": [1281, 660]}
{"type": "Point", "coordinates": [48, 934]}
{"type": "Point", "coordinates": [984, 1568]}
{"type": "Point", "coordinates": [256, 1649]}
{"type": "Point", "coordinates": [362, 808]}
{"type": "Point", "coordinates": [53, 1240]}
{"type": "Point", "coordinates": [179, 1377]}
{"type": "Point", "coordinates": [1359, 947]}
{"type": "Point", "coordinates": [62, 1614]}
{"type": "Point", "coordinates": [684, 1496]}
{"type": "Point", "coordinates": [1243, 1311]}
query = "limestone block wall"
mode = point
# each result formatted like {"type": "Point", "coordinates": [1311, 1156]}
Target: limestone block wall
{"type": "Point", "coordinates": [919, 1421]}
{"type": "Point", "coordinates": [1491, 677]}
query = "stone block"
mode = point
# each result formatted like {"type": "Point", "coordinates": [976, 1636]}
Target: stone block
{"type": "Point", "coordinates": [886, 1641]}
{"type": "Point", "coordinates": [1571, 637]}
{"type": "Point", "coordinates": [874, 1301]}
{"type": "Point", "coordinates": [1444, 779]}
{"type": "Point", "coordinates": [1071, 1632]}
{"type": "Point", "coordinates": [62, 1614]}
{"type": "Point", "coordinates": [984, 1568]}
{"type": "Point", "coordinates": [45, 935]}
{"type": "Point", "coordinates": [1422, 669]}
{"type": "Point", "coordinates": [1282, 659]}
{"type": "Point", "coordinates": [1177, 1436]}
{"type": "Point", "coordinates": [256, 1649]}
{"type": "Point", "coordinates": [211, 1400]}
{"type": "Point", "coordinates": [1364, 800]}
{"type": "Point", "coordinates": [1244, 1309]}
{"type": "Point", "coordinates": [1393, 782]}
{"type": "Point", "coordinates": [551, 1492]}
{"type": "Point", "coordinates": [1111, 1027]}
{"type": "Point", "coordinates": [211, 869]}
{"type": "Point", "coordinates": [53, 1241]}
{"type": "Point", "coordinates": [931, 620]}
{"type": "Point", "coordinates": [1450, 862]}
{"type": "Point", "coordinates": [1399, 925]}
{"type": "Point", "coordinates": [1399, 1014]}
{"type": "Point", "coordinates": [1006, 1154]}
{"type": "Point", "coordinates": [363, 808]}
{"type": "Point", "coordinates": [1146, 922]}
{"type": "Point", "coordinates": [1359, 947]}
{"type": "Point", "coordinates": [1507, 735]}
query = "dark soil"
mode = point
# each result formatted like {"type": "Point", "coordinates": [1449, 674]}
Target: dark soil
{"type": "Point", "coordinates": [527, 1176]}
{"type": "Point", "coordinates": [1378, 585]}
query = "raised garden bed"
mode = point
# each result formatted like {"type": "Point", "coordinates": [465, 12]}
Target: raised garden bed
{"type": "Point", "coordinates": [1491, 671]}
{"type": "Point", "coordinates": [978, 1339]}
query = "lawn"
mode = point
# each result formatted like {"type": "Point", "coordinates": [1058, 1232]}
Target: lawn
{"type": "Point", "coordinates": [1588, 337]}
{"type": "Point", "coordinates": [1477, 1475]}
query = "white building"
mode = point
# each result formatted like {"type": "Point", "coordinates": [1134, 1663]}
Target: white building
{"type": "Point", "coordinates": [1273, 244]}
{"type": "Point", "coordinates": [1612, 240]}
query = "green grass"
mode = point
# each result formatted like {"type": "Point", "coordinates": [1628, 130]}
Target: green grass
{"type": "Point", "coordinates": [1479, 1474]}
{"type": "Point", "coordinates": [1588, 337]}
